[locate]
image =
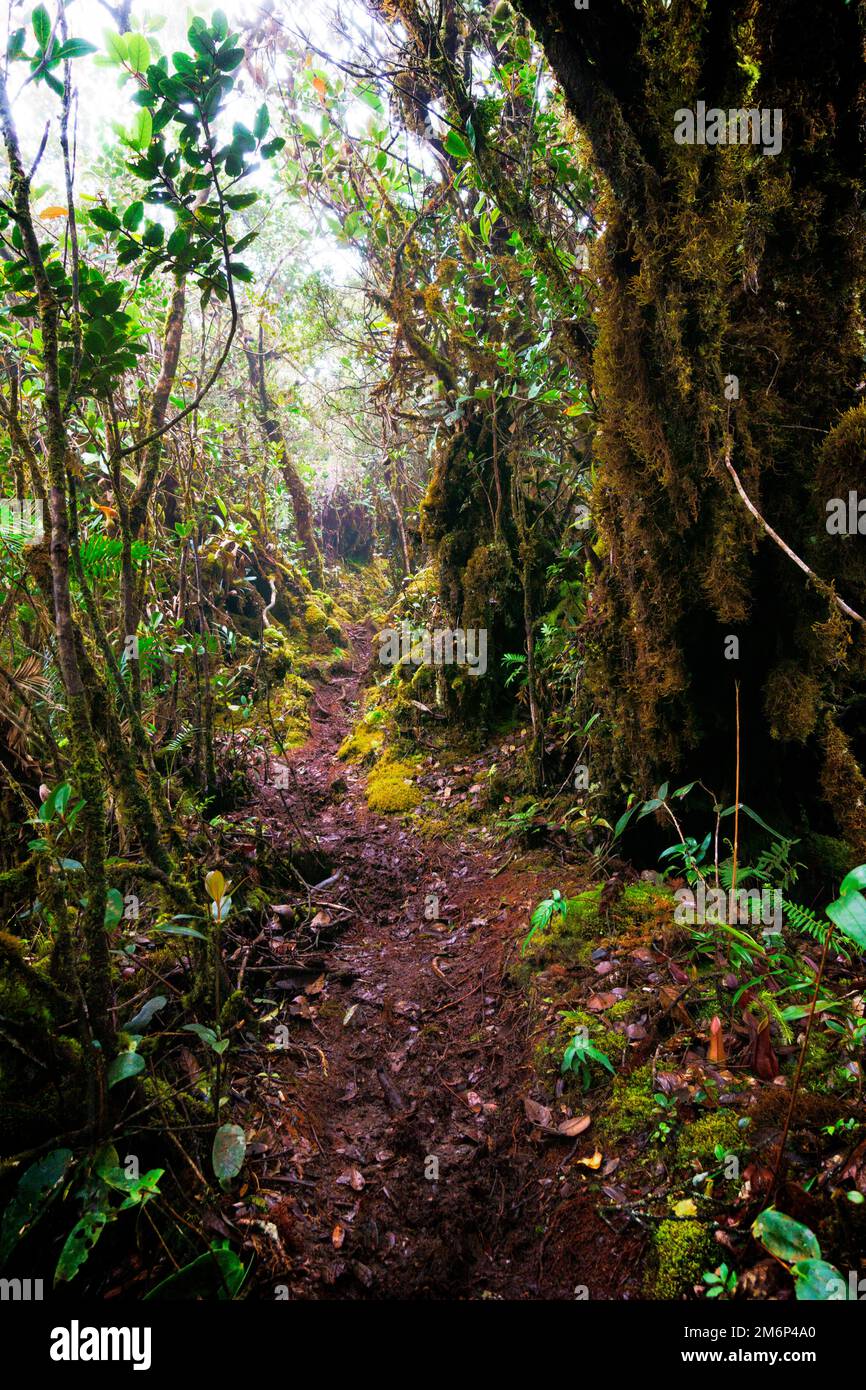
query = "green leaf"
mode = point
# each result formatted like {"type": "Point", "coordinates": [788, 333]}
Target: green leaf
{"type": "Point", "coordinates": [15, 46]}
{"type": "Point", "coordinates": [37, 1188]}
{"type": "Point", "coordinates": [785, 1238]}
{"type": "Point", "coordinates": [41, 25]}
{"type": "Point", "coordinates": [141, 131]}
{"type": "Point", "coordinates": [180, 931]}
{"type": "Point", "coordinates": [79, 1243]}
{"type": "Point", "coordinates": [229, 1150]}
{"type": "Point", "coordinates": [105, 219]}
{"type": "Point", "coordinates": [113, 908]}
{"type": "Point", "coordinates": [115, 46]}
{"type": "Point", "coordinates": [262, 123]}
{"type": "Point", "coordinates": [215, 1275]}
{"type": "Point", "coordinates": [137, 52]}
{"type": "Point", "coordinates": [133, 216]}
{"type": "Point", "coordinates": [75, 48]}
{"type": "Point", "coordinates": [456, 145]}
{"type": "Point", "coordinates": [128, 1064]}
{"type": "Point", "coordinates": [851, 882]}
{"type": "Point", "coordinates": [229, 59]}
{"type": "Point", "coordinates": [849, 915]}
{"type": "Point", "coordinates": [177, 242]}
{"type": "Point", "coordinates": [816, 1281]}
{"type": "Point", "coordinates": [145, 1014]}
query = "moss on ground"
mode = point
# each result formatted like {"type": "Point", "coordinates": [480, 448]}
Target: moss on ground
{"type": "Point", "coordinates": [390, 788]}
{"type": "Point", "coordinates": [698, 1141]}
{"type": "Point", "coordinates": [683, 1251]}
{"type": "Point", "coordinates": [631, 1108]}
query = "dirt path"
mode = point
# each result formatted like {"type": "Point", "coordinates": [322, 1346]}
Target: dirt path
{"type": "Point", "coordinates": [408, 1164]}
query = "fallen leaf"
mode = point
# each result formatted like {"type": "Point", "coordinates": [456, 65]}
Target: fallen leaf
{"type": "Point", "coordinates": [599, 1002]}
{"type": "Point", "coordinates": [594, 1162]}
{"type": "Point", "coordinates": [353, 1178]}
{"type": "Point", "coordinates": [338, 1235]}
{"type": "Point", "coordinates": [687, 1207]}
{"type": "Point", "coordinates": [575, 1126]}
{"type": "Point", "coordinates": [538, 1114]}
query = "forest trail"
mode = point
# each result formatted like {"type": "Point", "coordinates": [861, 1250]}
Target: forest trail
{"type": "Point", "coordinates": [415, 1062]}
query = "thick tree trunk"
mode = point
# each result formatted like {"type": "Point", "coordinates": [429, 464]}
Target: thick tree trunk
{"type": "Point", "coordinates": [729, 320]}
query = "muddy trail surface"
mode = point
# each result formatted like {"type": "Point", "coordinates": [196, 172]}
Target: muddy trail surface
{"type": "Point", "coordinates": [406, 1165]}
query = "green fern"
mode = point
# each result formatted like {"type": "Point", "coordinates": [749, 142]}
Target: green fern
{"type": "Point", "coordinates": [803, 919]}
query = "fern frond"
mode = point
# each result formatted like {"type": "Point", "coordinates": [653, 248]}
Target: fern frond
{"type": "Point", "coordinates": [803, 919]}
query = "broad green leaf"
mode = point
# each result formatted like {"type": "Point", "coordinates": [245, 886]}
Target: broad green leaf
{"type": "Point", "coordinates": [141, 131]}
{"type": "Point", "coordinates": [75, 48]}
{"type": "Point", "coordinates": [137, 52]}
{"type": "Point", "coordinates": [128, 1064]}
{"type": "Point", "coordinates": [849, 915]}
{"type": "Point", "coordinates": [37, 1187]}
{"type": "Point", "coordinates": [145, 1014]}
{"type": "Point", "coordinates": [623, 822]}
{"type": "Point", "coordinates": [113, 907]}
{"type": "Point", "coordinates": [180, 931]}
{"type": "Point", "coordinates": [133, 216]}
{"type": "Point", "coordinates": [79, 1243]}
{"type": "Point", "coordinates": [41, 25]}
{"type": "Point", "coordinates": [105, 219]}
{"type": "Point", "coordinates": [785, 1238]}
{"type": "Point", "coordinates": [456, 145]}
{"type": "Point", "coordinates": [816, 1281]}
{"type": "Point", "coordinates": [215, 1275]}
{"type": "Point", "coordinates": [851, 882]}
{"type": "Point", "coordinates": [115, 46]}
{"type": "Point", "coordinates": [229, 1149]}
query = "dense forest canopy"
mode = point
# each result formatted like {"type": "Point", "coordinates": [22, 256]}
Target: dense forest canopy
{"type": "Point", "coordinates": [431, 550]}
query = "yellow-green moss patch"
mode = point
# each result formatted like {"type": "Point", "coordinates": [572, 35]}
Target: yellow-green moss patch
{"type": "Point", "coordinates": [684, 1250]}
{"type": "Point", "coordinates": [390, 788]}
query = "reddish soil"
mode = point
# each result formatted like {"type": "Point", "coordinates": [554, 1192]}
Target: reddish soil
{"type": "Point", "coordinates": [408, 1057]}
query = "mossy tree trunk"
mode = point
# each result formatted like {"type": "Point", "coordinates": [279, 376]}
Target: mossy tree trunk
{"type": "Point", "coordinates": [85, 773]}
{"type": "Point", "coordinates": [730, 320]}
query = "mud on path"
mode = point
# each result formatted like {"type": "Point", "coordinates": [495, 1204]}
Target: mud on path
{"type": "Point", "coordinates": [406, 1164]}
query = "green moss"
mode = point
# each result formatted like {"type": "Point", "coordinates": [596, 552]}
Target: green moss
{"type": "Point", "coordinates": [829, 856]}
{"type": "Point", "coordinates": [623, 1008]}
{"type": "Point", "coordinates": [683, 1250]}
{"type": "Point", "coordinates": [290, 710]}
{"type": "Point", "coordinates": [631, 1108]}
{"type": "Point", "coordinates": [821, 1060]}
{"type": "Point", "coordinates": [698, 1141]}
{"type": "Point", "coordinates": [320, 622]}
{"type": "Point", "coordinates": [569, 939]}
{"type": "Point", "coordinates": [390, 788]}
{"type": "Point", "coordinates": [548, 1054]}
{"type": "Point", "coordinates": [362, 744]}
